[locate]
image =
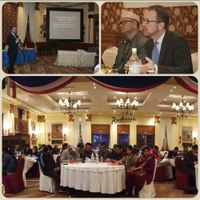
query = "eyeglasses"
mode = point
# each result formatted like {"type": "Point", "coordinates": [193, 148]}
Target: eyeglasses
{"type": "Point", "coordinates": [147, 21]}
{"type": "Point", "coordinates": [125, 21]}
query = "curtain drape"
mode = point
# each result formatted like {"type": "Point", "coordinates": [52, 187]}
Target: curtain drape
{"type": "Point", "coordinates": [32, 26]}
{"type": "Point", "coordinates": [42, 85]}
{"type": "Point", "coordinates": [25, 13]}
{"type": "Point", "coordinates": [22, 19]}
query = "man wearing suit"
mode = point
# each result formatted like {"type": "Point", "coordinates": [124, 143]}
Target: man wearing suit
{"type": "Point", "coordinates": [12, 41]}
{"type": "Point", "coordinates": [188, 164]}
{"type": "Point", "coordinates": [129, 25]}
{"type": "Point", "coordinates": [167, 52]}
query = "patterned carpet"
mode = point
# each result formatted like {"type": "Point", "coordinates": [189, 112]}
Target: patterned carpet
{"type": "Point", "coordinates": [45, 65]}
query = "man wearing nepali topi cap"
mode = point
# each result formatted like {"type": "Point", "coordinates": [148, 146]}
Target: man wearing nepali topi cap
{"type": "Point", "coordinates": [129, 27]}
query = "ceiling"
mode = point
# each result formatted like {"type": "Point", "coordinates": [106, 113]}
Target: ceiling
{"type": "Point", "coordinates": [96, 99]}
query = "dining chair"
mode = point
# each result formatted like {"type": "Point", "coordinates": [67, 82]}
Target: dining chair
{"type": "Point", "coordinates": [182, 179]}
{"type": "Point", "coordinates": [14, 183]}
{"type": "Point", "coordinates": [46, 183]}
{"type": "Point", "coordinates": [148, 190]}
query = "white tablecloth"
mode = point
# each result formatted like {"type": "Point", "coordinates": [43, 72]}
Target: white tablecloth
{"type": "Point", "coordinates": [196, 175]}
{"type": "Point", "coordinates": [29, 161]}
{"type": "Point", "coordinates": [75, 58]}
{"type": "Point", "coordinates": [94, 177]}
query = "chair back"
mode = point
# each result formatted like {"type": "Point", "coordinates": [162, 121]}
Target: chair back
{"type": "Point", "coordinates": [20, 167]}
{"type": "Point", "coordinates": [58, 161]}
{"type": "Point", "coordinates": [178, 164]}
{"type": "Point", "coordinates": [154, 172]}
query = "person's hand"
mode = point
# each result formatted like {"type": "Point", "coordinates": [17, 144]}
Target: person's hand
{"type": "Point", "coordinates": [56, 169]}
{"type": "Point", "coordinates": [149, 67]}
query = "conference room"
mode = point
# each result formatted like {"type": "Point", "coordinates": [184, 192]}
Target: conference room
{"type": "Point", "coordinates": [83, 115]}
{"type": "Point", "coordinates": [50, 37]}
{"type": "Point", "coordinates": [130, 25]}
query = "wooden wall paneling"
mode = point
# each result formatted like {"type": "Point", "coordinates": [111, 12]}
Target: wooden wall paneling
{"type": "Point", "coordinates": [100, 128]}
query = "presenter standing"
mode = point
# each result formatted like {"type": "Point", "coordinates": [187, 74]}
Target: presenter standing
{"type": "Point", "coordinates": [12, 41]}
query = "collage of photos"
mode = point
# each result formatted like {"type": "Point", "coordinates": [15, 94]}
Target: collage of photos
{"type": "Point", "coordinates": [99, 99]}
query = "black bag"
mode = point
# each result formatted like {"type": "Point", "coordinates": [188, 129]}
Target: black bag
{"type": "Point", "coordinates": [191, 190]}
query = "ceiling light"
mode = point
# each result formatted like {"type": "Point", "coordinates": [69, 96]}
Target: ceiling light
{"type": "Point", "coordinates": [182, 108]}
{"type": "Point", "coordinates": [69, 106]}
{"type": "Point", "coordinates": [127, 105]}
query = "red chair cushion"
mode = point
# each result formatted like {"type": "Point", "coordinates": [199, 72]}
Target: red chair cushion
{"type": "Point", "coordinates": [14, 183]}
{"type": "Point", "coordinates": [160, 174]}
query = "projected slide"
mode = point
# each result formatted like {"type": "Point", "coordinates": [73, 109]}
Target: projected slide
{"type": "Point", "coordinates": [64, 24]}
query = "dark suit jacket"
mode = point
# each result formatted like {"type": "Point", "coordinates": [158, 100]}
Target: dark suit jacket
{"type": "Point", "coordinates": [123, 55]}
{"type": "Point", "coordinates": [188, 163]}
{"type": "Point", "coordinates": [175, 56]}
{"type": "Point", "coordinates": [13, 46]}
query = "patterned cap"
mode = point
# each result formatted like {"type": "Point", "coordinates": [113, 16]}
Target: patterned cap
{"type": "Point", "coordinates": [129, 15]}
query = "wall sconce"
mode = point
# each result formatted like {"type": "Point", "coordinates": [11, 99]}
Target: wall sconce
{"type": "Point", "coordinates": [156, 119]}
{"type": "Point", "coordinates": [179, 140]}
{"type": "Point", "coordinates": [65, 137]}
{"type": "Point", "coordinates": [195, 139]}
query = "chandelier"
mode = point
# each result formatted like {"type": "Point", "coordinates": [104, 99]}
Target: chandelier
{"type": "Point", "coordinates": [182, 108]}
{"type": "Point", "coordinates": [127, 105]}
{"type": "Point", "coordinates": [68, 106]}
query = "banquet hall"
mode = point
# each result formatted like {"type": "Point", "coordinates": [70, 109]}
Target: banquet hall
{"type": "Point", "coordinates": [137, 111]}
{"type": "Point", "coordinates": [48, 44]}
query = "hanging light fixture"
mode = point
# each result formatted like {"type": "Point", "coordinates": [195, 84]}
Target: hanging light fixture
{"type": "Point", "coordinates": [127, 105]}
{"type": "Point", "coordinates": [182, 108]}
{"type": "Point", "coordinates": [68, 106]}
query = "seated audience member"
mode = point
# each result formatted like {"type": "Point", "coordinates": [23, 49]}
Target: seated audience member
{"type": "Point", "coordinates": [161, 161]}
{"type": "Point", "coordinates": [16, 150]}
{"type": "Point", "coordinates": [167, 52]}
{"type": "Point", "coordinates": [129, 27]}
{"type": "Point", "coordinates": [143, 172]}
{"type": "Point", "coordinates": [188, 164]}
{"type": "Point", "coordinates": [49, 166]}
{"type": "Point", "coordinates": [116, 154]}
{"type": "Point", "coordinates": [56, 150]}
{"type": "Point", "coordinates": [80, 148]}
{"type": "Point", "coordinates": [130, 158]}
{"type": "Point", "coordinates": [136, 149]}
{"type": "Point", "coordinates": [69, 154]}
{"type": "Point", "coordinates": [185, 151]}
{"type": "Point", "coordinates": [9, 161]}
{"type": "Point", "coordinates": [103, 152]}
{"type": "Point", "coordinates": [156, 153]}
{"type": "Point", "coordinates": [64, 146]}
{"type": "Point", "coordinates": [87, 151]}
{"type": "Point", "coordinates": [35, 151]}
{"type": "Point", "coordinates": [174, 153]}
{"type": "Point", "coordinates": [28, 150]}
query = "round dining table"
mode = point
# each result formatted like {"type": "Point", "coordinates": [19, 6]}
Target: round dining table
{"type": "Point", "coordinates": [106, 178]}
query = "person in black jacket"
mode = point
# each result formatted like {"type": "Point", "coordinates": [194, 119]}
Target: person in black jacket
{"type": "Point", "coordinates": [188, 164]}
{"type": "Point", "coordinates": [167, 51]}
{"type": "Point", "coordinates": [12, 41]}
{"type": "Point", "coordinates": [49, 166]}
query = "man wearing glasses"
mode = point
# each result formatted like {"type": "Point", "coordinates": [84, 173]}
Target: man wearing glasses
{"type": "Point", "coordinates": [129, 25]}
{"type": "Point", "coordinates": [167, 52]}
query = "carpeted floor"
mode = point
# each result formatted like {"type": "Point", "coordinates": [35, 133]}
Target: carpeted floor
{"type": "Point", "coordinates": [45, 65]}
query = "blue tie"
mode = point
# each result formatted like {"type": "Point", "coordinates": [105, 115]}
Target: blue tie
{"type": "Point", "coordinates": [155, 53]}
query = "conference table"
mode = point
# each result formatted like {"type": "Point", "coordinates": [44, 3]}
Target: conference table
{"type": "Point", "coordinates": [24, 56]}
{"type": "Point", "coordinates": [79, 58]}
{"type": "Point", "coordinates": [103, 178]}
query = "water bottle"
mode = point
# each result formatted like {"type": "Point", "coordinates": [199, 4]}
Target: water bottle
{"type": "Point", "coordinates": [92, 158]}
{"type": "Point", "coordinates": [134, 67]}
{"type": "Point", "coordinates": [97, 158]}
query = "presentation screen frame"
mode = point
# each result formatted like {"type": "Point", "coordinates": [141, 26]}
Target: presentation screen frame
{"type": "Point", "coordinates": [49, 9]}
